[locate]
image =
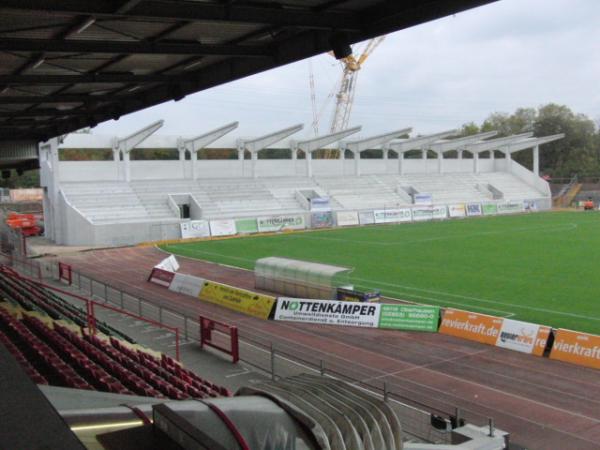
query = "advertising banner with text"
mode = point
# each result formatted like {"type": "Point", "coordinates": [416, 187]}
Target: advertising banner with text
{"type": "Point", "coordinates": [422, 213]}
{"type": "Point", "coordinates": [277, 223]}
{"type": "Point", "coordinates": [347, 218]}
{"type": "Point", "coordinates": [195, 229]}
{"type": "Point", "coordinates": [510, 207]}
{"type": "Point", "coordinates": [321, 219]}
{"type": "Point", "coordinates": [439, 212]}
{"type": "Point", "coordinates": [328, 312]}
{"type": "Point", "coordinates": [472, 326]}
{"type": "Point", "coordinates": [409, 317]}
{"type": "Point", "coordinates": [473, 209]}
{"type": "Point", "coordinates": [523, 337]}
{"type": "Point", "coordinates": [457, 210]}
{"type": "Point", "coordinates": [224, 227]}
{"type": "Point", "coordinates": [237, 299]}
{"type": "Point", "coordinates": [489, 209]}
{"type": "Point", "coordinates": [161, 277]}
{"type": "Point", "coordinates": [423, 198]}
{"type": "Point", "coordinates": [392, 215]}
{"type": "Point", "coordinates": [577, 348]}
{"type": "Point", "coordinates": [246, 226]}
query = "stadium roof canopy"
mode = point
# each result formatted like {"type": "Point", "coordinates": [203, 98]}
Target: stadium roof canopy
{"type": "Point", "coordinates": [67, 64]}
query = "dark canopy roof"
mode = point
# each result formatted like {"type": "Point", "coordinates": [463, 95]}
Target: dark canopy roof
{"type": "Point", "coordinates": [67, 64]}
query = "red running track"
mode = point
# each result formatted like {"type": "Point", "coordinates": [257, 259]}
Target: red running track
{"type": "Point", "coordinates": [544, 404]}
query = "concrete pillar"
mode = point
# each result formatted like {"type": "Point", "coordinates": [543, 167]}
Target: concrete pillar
{"type": "Point", "coordinates": [127, 167]}
{"type": "Point", "coordinates": [401, 163]}
{"type": "Point", "coordinates": [386, 153]}
{"type": "Point", "coordinates": [117, 160]}
{"type": "Point", "coordinates": [423, 153]}
{"type": "Point", "coordinates": [294, 154]}
{"type": "Point", "coordinates": [182, 161]}
{"type": "Point", "coordinates": [476, 162]}
{"type": "Point", "coordinates": [536, 160]}
{"type": "Point", "coordinates": [194, 161]}
{"type": "Point", "coordinates": [241, 160]}
{"type": "Point", "coordinates": [460, 154]}
{"type": "Point", "coordinates": [309, 164]}
{"type": "Point", "coordinates": [357, 163]}
{"type": "Point", "coordinates": [440, 162]}
{"type": "Point", "coordinates": [254, 156]}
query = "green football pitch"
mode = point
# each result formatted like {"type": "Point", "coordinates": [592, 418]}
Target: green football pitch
{"type": "Point", "coordinates": [542, 268]}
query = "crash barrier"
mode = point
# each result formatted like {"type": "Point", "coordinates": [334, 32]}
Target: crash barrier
{"type": "Point", "coordinates": [227, 228]}
{"type": "Point", "coordinates": [229, 332]}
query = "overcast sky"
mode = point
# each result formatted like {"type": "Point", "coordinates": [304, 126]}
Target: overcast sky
{"type": "Point", "coordinates": [432, 77]}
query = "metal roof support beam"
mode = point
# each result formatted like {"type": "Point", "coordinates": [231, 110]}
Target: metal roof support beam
{"type": "Point", "coordinates": [459, 143]}
{"type": "Point", "coordinates": [132, 47]}
{"type": "Point", "coordinates": [298, 17]}
{"type": "Point", "coordinates": [199, 142]}
{"type": "Point", "coordinates": [359, 146]}
{"type": "Point", "coordinates": [311, 145]}
{"type": "Point", "coordinates": [417, 143]}
{"type": "Point", "coordinates": [125, 145]}
{"type": "Point", "coordinates": [257, 144]}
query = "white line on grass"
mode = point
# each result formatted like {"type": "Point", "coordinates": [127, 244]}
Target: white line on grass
{"type": "Point", "coordinates": [404, 288]}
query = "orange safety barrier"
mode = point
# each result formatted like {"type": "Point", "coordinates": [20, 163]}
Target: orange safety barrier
{"type": "Point", "coordinates": [577, 348]}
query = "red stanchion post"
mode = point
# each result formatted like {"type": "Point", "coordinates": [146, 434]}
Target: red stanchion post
{"type": "Point", "coordinates": [177, 355]}
{"type": "Point", "coordinates": [235, 349]}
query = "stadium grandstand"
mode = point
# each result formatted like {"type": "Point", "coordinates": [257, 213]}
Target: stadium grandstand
{"type": "Point", "coordinates": [127, 200]}
{"type": "Point", "coordinates": [123, 347]}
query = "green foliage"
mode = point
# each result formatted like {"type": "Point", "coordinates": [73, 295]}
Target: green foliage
{"type": "Point", "coordinates": [536, 266]}
{"type": "Point", "coordinates": [578, 153]}
{"type": "Point", "coordinates": [29, 179]}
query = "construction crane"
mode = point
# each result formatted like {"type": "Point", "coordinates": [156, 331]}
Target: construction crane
{"type": "Point", "coordinates": [345, 96]}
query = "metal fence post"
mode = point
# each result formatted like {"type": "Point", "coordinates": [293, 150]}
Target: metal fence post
{"type": "Point", "coordinates": [139, 307]}
{"type": "Point", "coordinates": [122, 303]}
{"type": "Point", "coordinates": [185, 327]}
{"type": "Point", "coordinates": [386, 394]}
{"type": "Point", "coordinates": [491, 425]}
{"type": "Point", "coordinates": [160, 315]}
{"type": "Point", "coordinates": [322, 367]}
{"type": "Point", "coordinates": [105, 293]}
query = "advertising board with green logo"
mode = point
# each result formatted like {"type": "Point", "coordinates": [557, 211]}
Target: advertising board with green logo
{"type": "Point", "coordinates": [409, 317]}
{"type": "Point", "coordinates": [246, 226]}
{"type": "Point", "coordinates": [490, 208]}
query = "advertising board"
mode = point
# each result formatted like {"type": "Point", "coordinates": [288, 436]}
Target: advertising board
{"type": "Point", "coordinates": [392, 215]}
{"type": "Point", "coordinates": [439, 212]}
{"type": "Point", "coordinates": [240, 300]}
{"type": "Point", "coordinates": [423, 198]}
{"type": "Point", "coordinates": [347, 218]}
{"type": "Point", "coordinates": [195, 229]}
{"type": "Point", "coordinates": [489, 209]}
{"type": "Point", "coordinates": [225, 227]}
{"type": "Point", "coordinates": [161, 277]}
{"type": "Point", "coordinates": [246, 226]}
{"type": "Point", "coordinates": [457, 210]}
{"type": "Point", "coordinates": [366, 217]}
{"type": "Point", "coordinates": [474, 209]}
{"type": "Point", "coordinates": [422, 213]}
{"type": "Point", "coordinates": [409, 317]}
{"type": "Point", "coordinates": [578, 348]}
{"type": "Point", "coordinates": [472, 326]}
{"type": "Point", "coordinates": [510, 207]}
{"type": "Point", "coordinates": [186, 284]}
{"type": "Point", "coordinates": [321, 219]}
{"type": "Point", "coordinates": [277, 223]}
{"type": "Point", "coordinates": [330, 312]}
{"type": "Point", "coordinates": [518, 336]}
